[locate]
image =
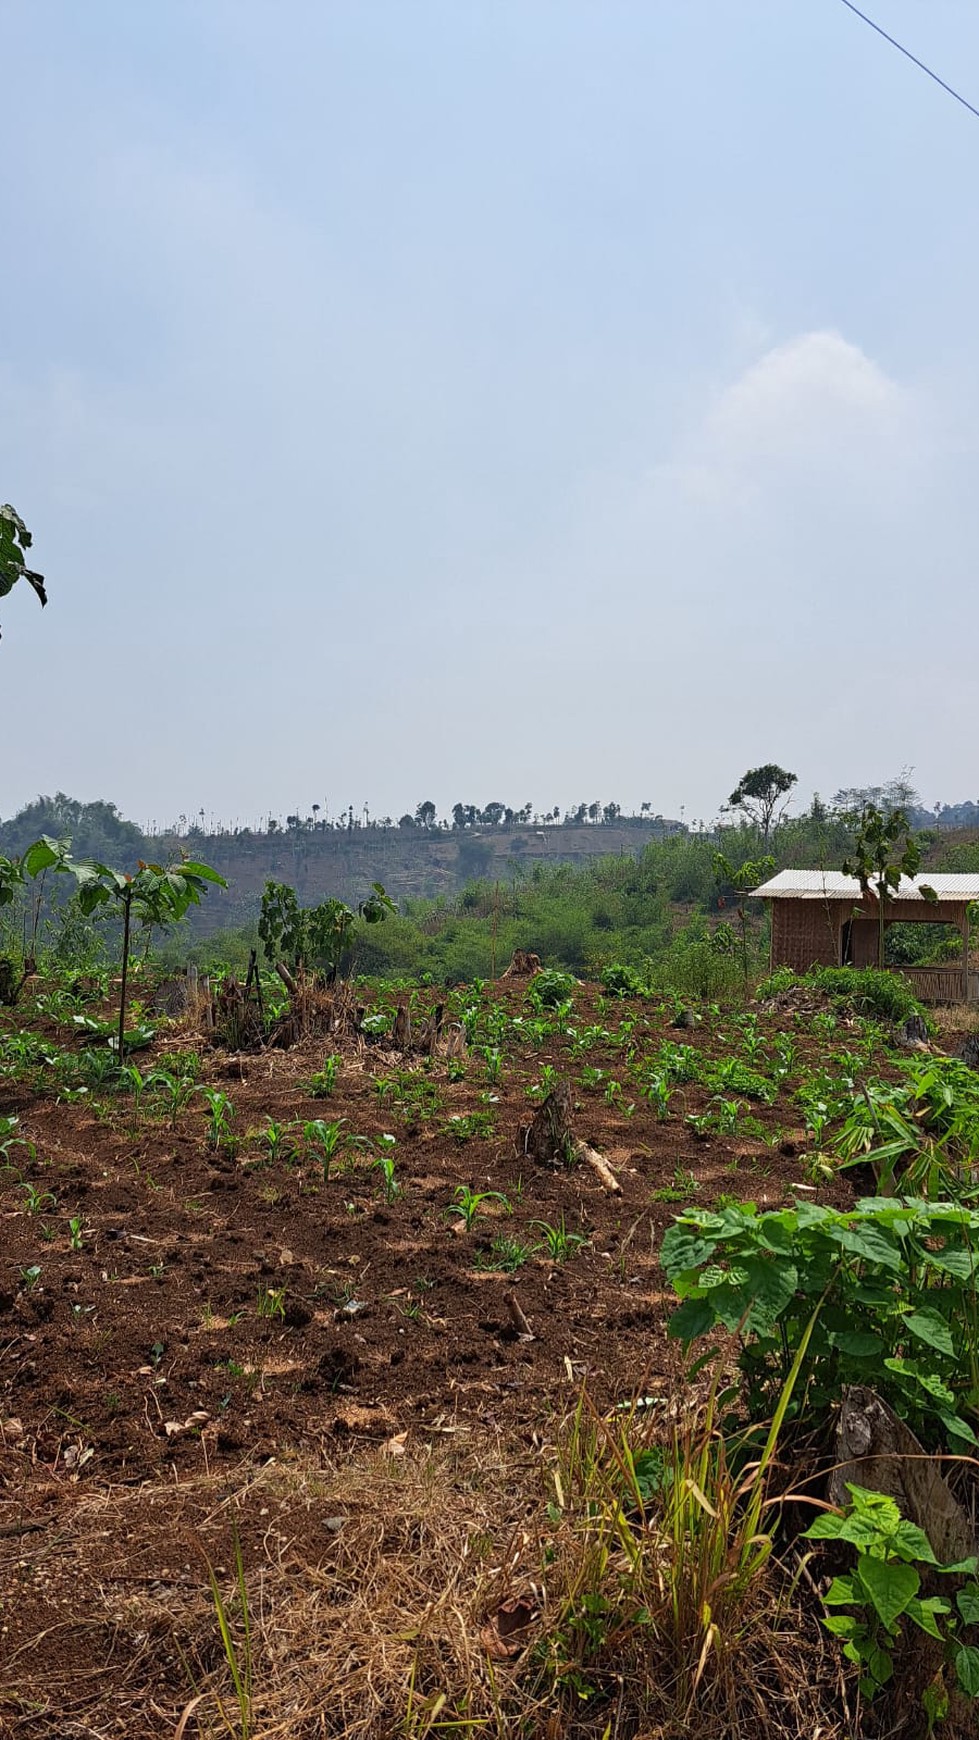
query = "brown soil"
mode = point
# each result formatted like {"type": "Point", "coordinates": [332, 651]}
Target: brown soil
{"type": "Point", "coordinates": [145, 1399]}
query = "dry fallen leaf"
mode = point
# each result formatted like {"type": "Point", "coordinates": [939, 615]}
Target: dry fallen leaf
{"type": "Point", "coordinates": [176, 1428]}
{"type": "Point", "coordinates": [502, 1636]}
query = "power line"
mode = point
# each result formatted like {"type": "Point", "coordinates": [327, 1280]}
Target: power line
{"type": "Point", "coordinates": [912, 57]}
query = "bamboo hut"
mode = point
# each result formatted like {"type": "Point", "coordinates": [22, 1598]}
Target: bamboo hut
{"type": "Point", "coordinates": [820, 918]}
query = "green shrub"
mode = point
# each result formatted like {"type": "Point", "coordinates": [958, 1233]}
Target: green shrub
{"type": "Point", "coordinates": [866, 990]}
{"type": "Point", "coordinates": [884, 1293]}
{"type": "Point", "coordinates": [621, 981]}
{"type": "Point", "coordinates": [549, 988]}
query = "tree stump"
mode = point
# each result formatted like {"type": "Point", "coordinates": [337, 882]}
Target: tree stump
{"type": "Point", "coordinates": [549, 1138]}
{"type": "Point", "coordinates": [523, 965]}
{"type": "Point", "coordinates": [401, 1031]}
{"type": "Point", "coordinates": [431, 1033]}
{"type": "Point", "coordinates": [878, 1451]}
{"type": "Point", "coordinates": [967, 1051]}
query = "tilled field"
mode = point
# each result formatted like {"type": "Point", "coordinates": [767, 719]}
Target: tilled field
{"type": "Point", "coordinates": [178, 1314]}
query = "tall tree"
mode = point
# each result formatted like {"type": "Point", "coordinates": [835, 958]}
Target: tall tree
{"type": "Point", "coordinates": [15, 541]}
{"type": "Point", "coordinates": [759, 794]}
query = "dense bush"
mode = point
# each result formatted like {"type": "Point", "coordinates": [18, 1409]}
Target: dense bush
{"type": "Point", "coordinates": [866, 990]}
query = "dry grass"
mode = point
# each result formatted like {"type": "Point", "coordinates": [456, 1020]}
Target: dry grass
{"type": "Point", "coordinates": [372, 1588]}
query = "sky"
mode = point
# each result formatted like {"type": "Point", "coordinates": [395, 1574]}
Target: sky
{"type": "Point", "coordinates": [469, 400]}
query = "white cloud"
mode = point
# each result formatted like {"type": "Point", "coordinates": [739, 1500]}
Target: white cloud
{"type": "Point", "coordinates": [811, 409]}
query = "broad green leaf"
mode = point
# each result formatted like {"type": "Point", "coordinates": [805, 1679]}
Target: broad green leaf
{"type": "Point", "coordinates": [773, 1284]}
{"type": "Point", "coordinates": [958, 1428]}
{"type": "Point", "coordinates": [967, 1669]}
{"type": "Point", "coordinates": [925, 1614]}
{"type": "Point", "coordinates": [682, 1250]}
{"type": "Point", "coordinates": [841, 1624]}
{"type": "Point", "coordinates": [40, 857]}
{"type": "Point", "coordinates": [857, 1343]}
{"type": "Point", "coordinates": [961, 1264]}
{"type": "Point", "coordinates": [691, 1319]}
{"type": "Point", "coordinates": [842, 1592]}
{"type": "Point", "coordinates": [931, 1328]}
{"type": "Point", "coordinates": [204, 871]}
{"type": "Point", "coordinates": [889, 1587]}
{"type": "Point", "coordinates": [928, 1381]}
{"type": "Point", "coordinates": [967, 1602]}
{"type": "Point", "coordinates": [912, 1543]}
{"type": "Point", "coordinates": [826, 1527]}
{"type": "Point", "coordinates": [870, 1243]}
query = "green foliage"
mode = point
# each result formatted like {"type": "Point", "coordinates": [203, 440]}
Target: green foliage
{"type": "Point", "coordinates": [322, 1083]}
{"type": "Point", "coordinates": [549, 989]}
{"type": "Point", "coordinates": [892, 1283]}
{"type": "Point", "coordinates": [15, 541]}
{"type": "Point", "coordinates": [622, 981]}
{"type": "Point", "coordinates": [922, 1131]}
{"type": "Point", "coordinates": [884, 851]}
{"type": "Point", "coordinates": [858, 990]}
{"type": "Point", "coordinates": [315, 936]}
{"type": "Point", "coordinates": [468, 1203]}
{"type": "Point", "coordinates": [884, 1590]}
{"type": "Point", "coordinates": [154, 894]}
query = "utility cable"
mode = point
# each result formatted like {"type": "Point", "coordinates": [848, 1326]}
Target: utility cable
{"type": "Point", "coordinates": [912, 57]}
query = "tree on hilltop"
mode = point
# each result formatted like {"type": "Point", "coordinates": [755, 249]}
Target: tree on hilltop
{"type": "Point", "coordinates": [759, 794]}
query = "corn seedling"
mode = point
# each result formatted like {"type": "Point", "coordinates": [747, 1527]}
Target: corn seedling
{"type": "Point", "coordinates": [468, 1203]}
{"type": "Point", "coordinates": [558, 1242]}
{"type": "Point", "coordinates": [277, 1139]}
{"type": "Point", "coordinates": [324, 1140]}
{"type": "Point", "coordinates": [220, 1113]}
{"type": "Point", "coordinates": [175, 1091]}
{"type": "Point", "coordinates": [37, 1201]}
{"type": "Point", "coordinates": [385, 1165]}
{"type": "Point", "coordinates": [323, 1082]}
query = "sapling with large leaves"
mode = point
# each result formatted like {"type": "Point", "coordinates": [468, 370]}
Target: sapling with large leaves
{"type": "Point", "coordinates": [154, 894]}
{"type": "Point", "coordinates": [885, 850]}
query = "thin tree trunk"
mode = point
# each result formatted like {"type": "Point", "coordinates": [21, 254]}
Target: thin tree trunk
{"type": "Point", "coordinates": [126, 914]}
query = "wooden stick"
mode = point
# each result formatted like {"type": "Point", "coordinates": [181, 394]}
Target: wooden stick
{"type": "Point", "coordinates": [519, 1320]}
{"type": "Point", "coordinates": [599, 1165]}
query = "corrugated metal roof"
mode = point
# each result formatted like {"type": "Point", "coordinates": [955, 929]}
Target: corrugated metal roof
{"type": "Point", "coordinates": [833, 885]}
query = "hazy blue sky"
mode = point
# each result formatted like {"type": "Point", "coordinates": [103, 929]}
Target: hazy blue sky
{"type": "Point", "coordinates": [487, 399]}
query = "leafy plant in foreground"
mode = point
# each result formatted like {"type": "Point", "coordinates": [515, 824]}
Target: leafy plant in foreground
{"type": "Point", "coordinates": [883, 1590]}
{"type": "Point", "coordinates": [892, 1284]}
